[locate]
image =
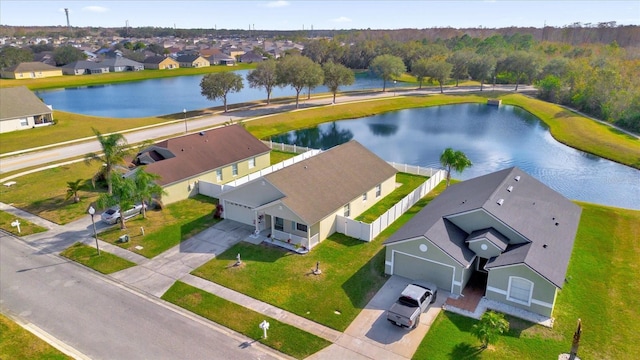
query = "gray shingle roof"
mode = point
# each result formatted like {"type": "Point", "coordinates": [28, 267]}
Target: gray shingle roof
{"type": "Point", "coordinates": [31, 66]}
{"type": "Point", "coordinates": [545, 218]}
{"type": "Point", "coordinates": [19, 102]}
{"type": "Point", "coordinates": [320, 185]}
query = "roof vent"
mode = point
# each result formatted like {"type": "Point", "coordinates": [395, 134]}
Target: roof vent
{"type": "Point", "coordinates": [544, 246]}
{"type": "Point", "coordinates": [557, 224]}
{"type": "Point", "coordinates": [510, 188]}
{"type": "Point", "coordinates": [201, 133]}
{"type": "Point", "coordinates": [499, 202]}
{"type": "Point", "coordinates": [517, 178]}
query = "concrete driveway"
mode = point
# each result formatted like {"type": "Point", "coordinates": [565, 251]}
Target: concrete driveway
{"type": "Point", "coordinates": [371, 336]}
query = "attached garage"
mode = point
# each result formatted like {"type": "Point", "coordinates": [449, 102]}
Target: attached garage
{"type": "Point", "coordinates": [417, 268]}
{"type": "Point", "coordinates": [238, 212]}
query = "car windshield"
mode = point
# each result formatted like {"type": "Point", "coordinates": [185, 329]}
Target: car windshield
{"type": "Point", "coordinates": [111, 211]}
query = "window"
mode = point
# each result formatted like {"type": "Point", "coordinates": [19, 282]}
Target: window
{"type": "Point", "coordinates": [301, 227]}
{"type": "Point", "coordinates": [279, 224]}
{"type": "Point", "coordinates": [520, 290]}
{"type": "Point", "coordinates": [252, 163]}
{"type": "Point", "coordinates": [219, 175]}
{"type": "Point", "coordinates": [378, 190]}
{"type": "Point", "coordinates": [24, 122]}
{"type": "Point", "coordinates": [347, 210]}
{"type": "Point", "coordinates": [234, 169]}
{"type": "Point", "coordinates": [364, 197]}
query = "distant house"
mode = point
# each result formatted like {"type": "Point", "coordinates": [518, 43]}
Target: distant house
{"type": "Point", "coordinates": [21, 109]}
{"type": "Point", "coordinates": [251, 57]}
{"type": "Point", "coordinates": [31, 70]}
{"type": "Point", "coordinates": [120, 64]}
{"type": "Point", "coordinates": [300, 203]}
{"type": "Point", "coordinates": [220, 58]}
{"type": "Point", "coordinates": [504, 232]}
{"type": "Point", "coordinates": [216, 156]}
{"type": "Point", "coordinates": [192, 61]}
{"type": "Point", "coordinates": [160, 63]}
{"type": "Point", "coordinates": [83, 67]}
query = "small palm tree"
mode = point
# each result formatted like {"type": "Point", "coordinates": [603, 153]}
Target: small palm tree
{"type": "Point", "coordinates": [72, 190]}
{"type": "Point", "coordinates": [146, 188]}
{"type": "Point", "coordinates": [490, 326]}
{"type": "Point", "coordinates": [454, 159]}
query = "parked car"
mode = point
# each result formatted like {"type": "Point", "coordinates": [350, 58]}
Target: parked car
{"type": "Point", "coordinates": [112, 214]}
{"type": "Point", "coordinates": [413, 301]}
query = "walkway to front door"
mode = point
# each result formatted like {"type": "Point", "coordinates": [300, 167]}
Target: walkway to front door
{"type": "Point", "coordinates": [471, 294]}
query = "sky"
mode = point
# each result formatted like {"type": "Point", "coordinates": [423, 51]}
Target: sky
{"type": "Point", "coordinates": [327, 15]}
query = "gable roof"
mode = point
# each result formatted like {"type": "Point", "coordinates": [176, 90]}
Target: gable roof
{"type": "Point", "coordinates": [187, 156]}
{"type": "Point", "coordinates": [322, 184]}
{"type": "Point", "coordinates": [19, 102]}
{"type": "Point", "coordinates": [120, 61]}
{"type": "Point", "coordinates": [188, 58]}
{"type": "Point", "coordinates": [84, 64]}
{"type": "Point", "coordinates": [542, 216]}
{"type": "Point", "coordinates": [157, 59]}
{"type": "Point", "coordinates": [31, 66]}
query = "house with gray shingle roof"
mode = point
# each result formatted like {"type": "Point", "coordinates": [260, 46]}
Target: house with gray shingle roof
{"type": "Point", "coordinates": [189, 61]}
{"type": "Point", "coordinates": [300, 203]}
{"type": "Point", "coordinates": [119, 64]}
{"type": "Point", "coordinates": [506, 231]}
{"type": "Point", "coordinates": [82, 67]}
{"type": "Point", "coordinates": [21, 109]}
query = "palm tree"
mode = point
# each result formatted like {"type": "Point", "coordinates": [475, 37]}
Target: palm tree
{"type": "Point", "coordinates": [72, 190]}
{"type": "Point", "coordinates": [491, 324]}
{"type": "Point", "coordinates": [146, 188]}
{"type": "Point", "coordinates": [114, 150]}
{"type": "Point", "coordinates": [124, 190]}
{"type": "Point", "coordinates": [454, 159]}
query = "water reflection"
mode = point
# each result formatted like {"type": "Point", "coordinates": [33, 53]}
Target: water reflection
{"type": "Point", "coordinates": [493, 138]}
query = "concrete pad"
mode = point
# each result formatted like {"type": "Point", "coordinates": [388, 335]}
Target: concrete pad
{"type": "Point", "coordinates": [337, 352]}
{"type": "Point", "coordinates": [145, 279]}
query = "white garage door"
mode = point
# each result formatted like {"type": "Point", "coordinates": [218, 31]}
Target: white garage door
{"type": "Point", "coordinates": [239, 213]}
{"type": "Point", "coordinates": [416, 268]}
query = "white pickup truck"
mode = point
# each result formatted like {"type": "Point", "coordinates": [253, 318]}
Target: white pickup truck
{"type": "Point", "coordinates": [413, 300]}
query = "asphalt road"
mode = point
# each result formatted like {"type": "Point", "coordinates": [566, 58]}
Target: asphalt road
{"type": "Point", "coordinates": [102, 319]}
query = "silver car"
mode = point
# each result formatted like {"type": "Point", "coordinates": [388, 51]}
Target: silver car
{"type": "Point", "coordinates": [112, 214]}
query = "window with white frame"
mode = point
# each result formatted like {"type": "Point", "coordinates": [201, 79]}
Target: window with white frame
{"type": "Point", "coordinates": [279, 224]}
{"type": "Point", "coordinates": [252, 163]}
{"type": "Point", "coordinates": [378, 190]}
{"type": "Point", "coordinates": [301, 227]}
{"type": "Point", "coordinates": [24, 122]}
{"type": "Point", "coordinates": [219, 175]}
{"type": "Point", "coordinates": [234, 169]}
{"type": "Point", "coordinates": [364, 197]}
{"type": "Point", "coordinates": [347, 210]}
{"type": "Point", "coordinates": [520, 290]}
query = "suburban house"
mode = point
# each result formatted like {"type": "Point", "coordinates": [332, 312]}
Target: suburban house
{"type": "Point", "coordinates": [192, 61]}
{"type": "Point", "coordinates": [82, 67]}
{"type": "Point", "coordinates": [251, 57]}
{"type": "Point", "coordinates": [506, 231]}
{"type": "Point", "coordinates": [221, 58]}
{"type": "Point", "coordinates": [300, 203]}
{"type": "Point", "coordinates": [160, 63]}
{"type": "Point", "coordinates": [216, 156]}
{"type": "Point", "coordinates": [21, 109]}
{"type": "Point", "coordinates": [120, 64]}
{"type": "Point", "coordinates": [31, 70]}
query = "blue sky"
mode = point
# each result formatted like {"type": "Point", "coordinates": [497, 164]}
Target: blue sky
{"type": "Point", "coordinates": [299, 14]}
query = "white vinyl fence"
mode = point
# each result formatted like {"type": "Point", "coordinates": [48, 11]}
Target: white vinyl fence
{"type": "Point", "coordinates": [368, 232]}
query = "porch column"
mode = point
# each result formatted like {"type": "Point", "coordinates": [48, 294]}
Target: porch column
{"type": "Point", "coordinates": [255, 222]}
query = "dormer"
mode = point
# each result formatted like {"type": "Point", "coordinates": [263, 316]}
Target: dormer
{"type": "Point", "coordinates": [487, 243]}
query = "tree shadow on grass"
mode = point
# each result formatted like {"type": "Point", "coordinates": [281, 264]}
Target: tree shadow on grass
{"type": "Point", "coordinates": [465, 351]}
{"type": "Point", "coordinates": [365, 283]}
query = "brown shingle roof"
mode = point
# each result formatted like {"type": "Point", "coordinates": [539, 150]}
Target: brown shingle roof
{"type": "Point", "coordinates": [18, 102]}
{"type": "Point", "coordinates": [320, 185]}
{"type": "Point", "coordinates": [205, 151]}
{"type": "Point", "coordinates": [31, 66]}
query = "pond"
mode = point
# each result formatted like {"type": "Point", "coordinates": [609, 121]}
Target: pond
{"type": "Point", "coordinates": [492, 138]}
{"type": "Point", "coordinates": [164, 96]}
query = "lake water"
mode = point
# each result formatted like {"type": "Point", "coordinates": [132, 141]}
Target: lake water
{"type": "Point", "coordinates": [164, 96]}
{"type": "Point", "coordinates": [492, 138]}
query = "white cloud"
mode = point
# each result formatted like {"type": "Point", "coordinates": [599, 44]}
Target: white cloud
{"type": "Point", "coordinates": [95, 9]}
{"type": "Point", "coordinates": [277, 3]}
{"type": "Point", "coordinates": [341, 19]}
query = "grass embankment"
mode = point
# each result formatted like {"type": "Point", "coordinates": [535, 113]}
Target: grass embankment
{"type": "Point", "coordinates": [19, 344]}
{"type": "Point", "coordinates": [408, 183]}
{"type": "Point", "coordinates": [104, 263]}
{"type": "Point", "coordinates": [26, 227]}
{"type": "Point", "coordinates": [280, 336]}
{"type": "Point", "coordinates": [601, 289]}
{"type": "Point", "coordinates": [352, 272]}
{"type": "Point", "coordinates": [116, 77]}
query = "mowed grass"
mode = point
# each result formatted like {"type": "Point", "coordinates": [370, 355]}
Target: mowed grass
{"type": "Point", "coordinates": [16, 343]}
{"type": "Point", "coordinates": [26, 227]}
{"type": "Point", "coordinates": [163, 229]}
{"type": "Point", "coordinates": [601, 289]}
{"type": "Point", "coordinates": [280, 336]}
{"type": "Point", "coordinates": [105, 263]}
{"type": "Point", "coordinates": [408, 183]}
{"type": "Point", "coordinates": [352, 272]}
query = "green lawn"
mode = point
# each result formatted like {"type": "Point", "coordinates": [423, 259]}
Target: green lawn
{"type": "Point", "coordinates": [26, 227]}
{"type": "Point", "coordinates": [282, 337]}
{"type": "Point", "coordinates": [409, 183]}
{"type": "Point", "coordinates": [104, 263]}
{"type": "Point", "coordinates": [352, 272]}
{"type": "Point", "coordinates": [16, 343]}
{"type": "Point", "coordinates": [602, 290]}
{"type": "Point", "coordinates": [163, 229]}
{"type": "Point", "coordinates": [280, 156]}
